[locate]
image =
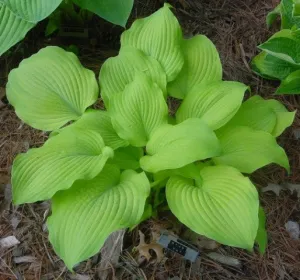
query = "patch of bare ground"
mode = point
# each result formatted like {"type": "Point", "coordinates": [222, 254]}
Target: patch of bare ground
{"type": "Point", "coordinates": [236, 27]}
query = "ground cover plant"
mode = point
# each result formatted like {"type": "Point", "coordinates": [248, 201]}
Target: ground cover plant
{"type": "Point", "coordinates": [106, 169]}
{"type": "Point", "coordinates": [280, 56]}
{"type": "Point", "coordinates": [18, 17]}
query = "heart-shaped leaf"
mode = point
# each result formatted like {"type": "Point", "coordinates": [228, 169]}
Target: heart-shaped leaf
{"type": "Point", "coordinates": [201, 65]}
{"type": "Point", "coordinates": [71, 155]}
{"type": "Point", "coordinates": [222, 205]}
{"type": "Point", "coordinates": [51, 88]}
{"type": "Point", "coordinates": [159, 36]}
{"type": "Point", "coordinates": [87, 213]}
{"type": "Point", "coordinates": [138, 110]}
{"type": "Point", "coordinates": [119, 71]}
{"type": "Point", "coordinates": [214, 103]}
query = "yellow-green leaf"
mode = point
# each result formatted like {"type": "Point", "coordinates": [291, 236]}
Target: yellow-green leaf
{"type": "Point", "coordinates": [223, 206]}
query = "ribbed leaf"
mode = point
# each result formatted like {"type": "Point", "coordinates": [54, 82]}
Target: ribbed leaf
{"type": "Point", "coordinates": [18, 17]}
{"type": "Point", "coordinates": [248, 150]}
{"type": "Point", "coordinates": [159, 36]}
{"type": "Point", "coordinates": [214, 103]}
{"type": "Point", "coordinates": [285, 48]}
{"type": "Point", "coordinates": [138, 110]}
{"type": "Point", "coordinates": [287, 18]}
{"type": "Point", "coordinates": [172, 147]}
{"type": "Point", "coordinates": [32, 10]}
{"type": "Point", "coordinates": [71, 155]}
{"type": "Point", "coordinates": [87, 213]}
{"type": "Point", "coordinates": [114, 11]}
{"type": "Point", "coordinates": [291, 84]}
{"type": "Point", "coordinates": [201, 65]}
{"type": "Point", "coordinates": [119, 71]}
{"type": "Point", "coordinates": [223, 206]}
{"type": "Point", "coordinates": [100, 122]}
{"type": "Point", "coordinates": [271, 67]}
{"type": "Point", "coordinates": [12, 28]}
{"type": "Point", "coordinates": [51, 88]}
{"type": "Point", "coordinates": [267, 115]}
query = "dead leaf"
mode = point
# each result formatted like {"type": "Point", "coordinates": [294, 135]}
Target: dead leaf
{"type": "Point", "coordinates": [293, 188]}
{"type": "Point", "coordinates": [8, 242]}
{"type": "Point", "coordinates": [297, 133]}
{"type": "Point", "coordinates": [25, 259]}
{"type": "Point", "coordinates": [5, 205]}
{"type": "Point", "coordinates": [4, 179]}
{"type": "Point", "coordinates": [144, 249]}
{"type": "Point", "coordinates": [14, 221]}
{"type": "Point", "coordinates": [275, 188]}
{"type": "Point", "coordinates": [227, 260]}
{"type": "Point", "coordinates": [293, 229]}
{"type": "Point", "coordinates": [110, 253]}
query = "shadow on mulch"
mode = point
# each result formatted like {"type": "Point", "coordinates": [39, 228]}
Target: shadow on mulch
{"type": "Point", "coordinates": [236, 27]}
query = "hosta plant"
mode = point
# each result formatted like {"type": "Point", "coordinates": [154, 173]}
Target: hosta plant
{"type": "Point", "coordinates": [289, 12]}
{"type": "Point", "coordinates": [106, 170]}
{"type": "Point", "coordinates": [280, 56]}
{"type": "Point", "coordinates": [17, 17]}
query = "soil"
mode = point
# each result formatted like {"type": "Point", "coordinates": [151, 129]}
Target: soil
{"type": "Point", "coordinates": [236, 27]}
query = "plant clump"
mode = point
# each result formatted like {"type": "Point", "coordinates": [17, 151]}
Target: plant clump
{"type": "Point", "coordinates": [112, 169]}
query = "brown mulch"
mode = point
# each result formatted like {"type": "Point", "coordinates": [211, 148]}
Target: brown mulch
{"type": "Point", "coordinates": [236, 27]}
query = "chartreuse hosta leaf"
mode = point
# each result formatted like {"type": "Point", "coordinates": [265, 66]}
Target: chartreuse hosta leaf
{"type": "Point", "coordinates": [159, 36]}
{"type": "Point", "coordinates": [248, 150]}
{"type": "Point", "coordinates": [201, 65]}
{"type": "Point", "coordinates": [138, 110]}
{"type": "Point", "coordinates": [214, 103]}
{"type": "Point", "coordinates": [119, 71]}
{"type": "Point", "coordinates": [84, 215]}
{"type": "Point", "coordinates": [51, 88]}
{"type": "Point", "coordinates": [71, 155]}
{"type": "Point", "coordinates": [100, 122]}
{"type": "Point", "coordinates": [18, 17]}
{"type": "Point", "coordinates": [267, 115]}
{"type": "Point", "coordinates": [291, 84]}
{"type": "Point", "coordinates": [222, 205]}
{"type": "Point", "coordinates": [114, 11]}
{"type": "Point", "coordinates": [172, 147]}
